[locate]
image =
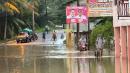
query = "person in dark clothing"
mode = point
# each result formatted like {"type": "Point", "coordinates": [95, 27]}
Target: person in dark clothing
{"type": "Point", "coordinates": [62, 36]}
{"type": "Point", "coordinates": [54, 36]}
{"type": "Point", "coordinates": [44, 36]}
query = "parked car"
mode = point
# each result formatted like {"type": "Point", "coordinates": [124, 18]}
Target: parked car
{"type": "Point", "coordinates": [23, 37]}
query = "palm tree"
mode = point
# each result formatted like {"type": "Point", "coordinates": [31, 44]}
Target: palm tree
{"type": "Point", "coordinates": [9, 8]}
{"type": "Point", "coordinates": [13, 11]}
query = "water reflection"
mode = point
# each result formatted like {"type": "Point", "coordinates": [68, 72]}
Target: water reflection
{"type": "Point", "coordinates": [32, 59]}
{"type": "Point", "coordinates": [96, 66]}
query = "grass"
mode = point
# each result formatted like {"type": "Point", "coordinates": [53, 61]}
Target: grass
{"type": "Point", "coordinates": [39, 29]}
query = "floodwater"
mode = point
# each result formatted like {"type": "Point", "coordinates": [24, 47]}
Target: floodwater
{"type": "Point", "coordinates": [51, 59]}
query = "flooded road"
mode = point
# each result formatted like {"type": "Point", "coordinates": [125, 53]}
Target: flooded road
{"type": "Point", "coordinates": [51, 59]}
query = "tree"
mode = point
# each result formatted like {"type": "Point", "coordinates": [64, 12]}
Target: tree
{"type": "Point", "coordinates": [14, 13]}
{"type": "Point", "coordinates": [56, 13]}
{"type": "Point", "coordinates": [10, 8]}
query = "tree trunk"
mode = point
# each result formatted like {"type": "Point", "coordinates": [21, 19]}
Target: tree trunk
{"type": "Point", "coordinates": [5, 29]}
{"type": "Point", "coordinates": [46, 6]}
{"type": "Point", "coordinates": [12, 33]}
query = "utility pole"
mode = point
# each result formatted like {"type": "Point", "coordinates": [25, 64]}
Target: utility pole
{"type": "Point", "coordinates": [78, 28]}
{"type": "Point", "coordinates": [33, 20]}
{"type": "Point", "coordinates": [5, 28]}
{"type": "Point", "coordinates": [46, 6]}
{"type": "Point", "coordinates": [88, 41]}
{"type": "Point", "coordinates": [88, 34]}
{"type": "Point", "coordinates": [46, 12]}
{"type": "Point", "coordinates": [68, 4]}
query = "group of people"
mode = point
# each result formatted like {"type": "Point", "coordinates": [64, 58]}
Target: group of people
{"type": "Point", "coordinates": [54, 37]}
{"type": "Point", "coordinates": [82, 42]}
{"type": "Point", "coordinates": [99, 45]}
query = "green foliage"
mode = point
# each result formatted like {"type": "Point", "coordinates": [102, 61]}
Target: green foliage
{"type": "Point", "coordinates": [39, 29]}
{"type": "Point", "coordinates": [19, 15]}
{"type": "Point", "coordinates": [55, 12]}
{"type": "Point", "coordinates": [105, 28]}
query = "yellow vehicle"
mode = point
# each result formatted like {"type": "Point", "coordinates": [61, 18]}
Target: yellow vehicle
{"type": "Point", "coordinates": [23, 37]}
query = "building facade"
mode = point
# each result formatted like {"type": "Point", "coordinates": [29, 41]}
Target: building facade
{"type": "Point", "coordinates": [121, 23]}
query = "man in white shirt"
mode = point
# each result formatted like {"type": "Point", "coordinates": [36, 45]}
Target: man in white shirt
{"type": "Point", "coordinates": [72, 16]}
{"type": "Point", "coordinates": [81, 18]}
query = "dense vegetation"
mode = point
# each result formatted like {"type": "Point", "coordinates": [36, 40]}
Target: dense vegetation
{"type": "Point", "coordinates": [15, 15]}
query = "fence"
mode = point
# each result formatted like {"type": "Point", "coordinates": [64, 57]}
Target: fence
{"type": "Point", "coordinates": [123, 8]}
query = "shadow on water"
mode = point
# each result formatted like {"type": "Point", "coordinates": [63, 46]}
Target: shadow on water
{"type": "Point", "coordinates": [32, 59]}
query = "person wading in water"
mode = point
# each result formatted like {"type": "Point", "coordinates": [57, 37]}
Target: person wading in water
{"type": "Point", "coordinates": [54, 36]}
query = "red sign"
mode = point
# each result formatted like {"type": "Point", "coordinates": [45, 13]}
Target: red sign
{"type": "Point", "coordinates": [76, 15]}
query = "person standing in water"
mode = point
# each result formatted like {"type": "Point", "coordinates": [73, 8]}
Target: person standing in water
{"type": "Point", "coordinates": [44, 36]}
{"type": "Point", "coordinates": [54, 36]}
